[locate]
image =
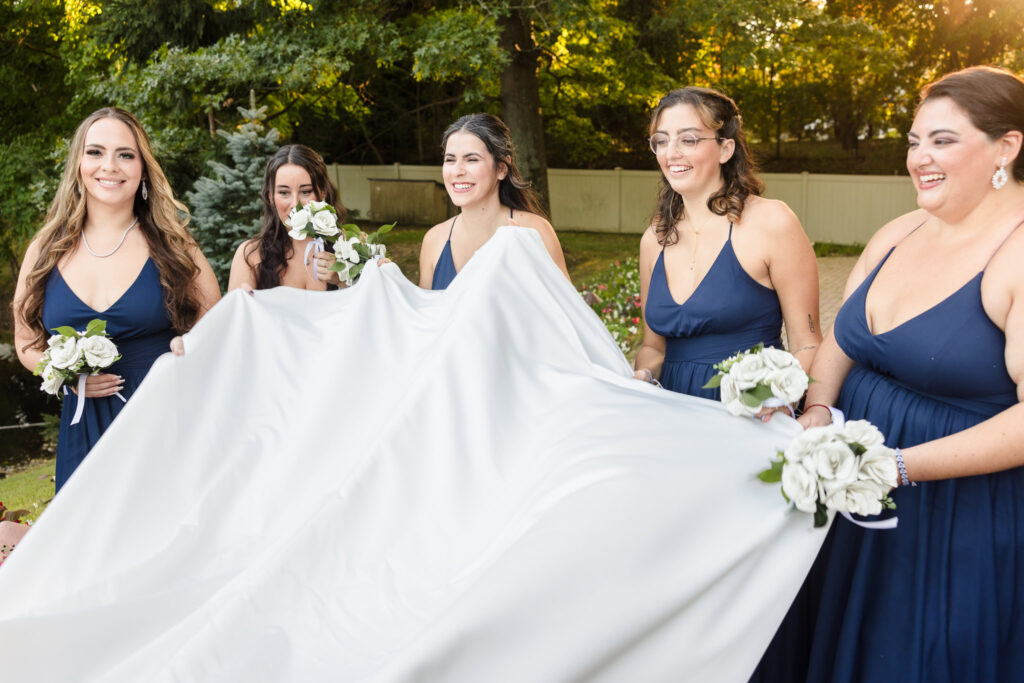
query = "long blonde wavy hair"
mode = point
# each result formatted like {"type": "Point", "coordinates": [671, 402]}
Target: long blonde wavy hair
{"type": "Point", "coordinates": [163, 221]}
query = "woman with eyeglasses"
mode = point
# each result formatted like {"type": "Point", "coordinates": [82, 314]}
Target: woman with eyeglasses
{"type": "Point", "coordinates": [721, 268]}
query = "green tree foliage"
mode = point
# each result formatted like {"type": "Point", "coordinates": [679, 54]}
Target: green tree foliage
{"type": "Point", "coordinates": [226, 206]}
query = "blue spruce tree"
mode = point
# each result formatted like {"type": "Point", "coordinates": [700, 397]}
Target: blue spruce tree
{"type": "Point", "coordinates": [226, 208]}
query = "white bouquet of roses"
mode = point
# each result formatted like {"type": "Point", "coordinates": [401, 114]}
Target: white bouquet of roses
{"type": "Point", "coordinates": [317, 221]}
{"type": "Point", "coordinates": [760, 377]}
{"type": "Point", "coordinates": [845, 468]}
{"type": "Point", "coordinates": [354, 249]}
{"type": "Point", "coordinates": [71, 356]}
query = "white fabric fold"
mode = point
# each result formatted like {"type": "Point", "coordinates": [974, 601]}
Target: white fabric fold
{"type": "Point", "coordinates": [473, 489]}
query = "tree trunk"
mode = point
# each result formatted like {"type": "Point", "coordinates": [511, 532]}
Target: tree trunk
{"type": "Point", "coordinates": [520, 100]}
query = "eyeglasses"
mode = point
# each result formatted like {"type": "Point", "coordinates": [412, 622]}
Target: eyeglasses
{"type": "Point", "coordinates": [684, 143]}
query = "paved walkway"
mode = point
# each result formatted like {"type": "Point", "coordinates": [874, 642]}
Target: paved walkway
{"type": "Point", "coordinates": [832, 274]}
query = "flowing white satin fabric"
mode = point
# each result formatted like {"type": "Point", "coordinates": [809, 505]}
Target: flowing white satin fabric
{"type": "Point", "coordinates": [472, 489]}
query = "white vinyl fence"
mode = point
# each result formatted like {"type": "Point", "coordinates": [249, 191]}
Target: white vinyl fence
{"type": "Point", "coordinates": [846, 209]}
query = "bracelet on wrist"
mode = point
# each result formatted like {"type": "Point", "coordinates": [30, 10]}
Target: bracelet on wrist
{"type": "Point", "coordinates": [834, 414]}
{"type": "Point", "coordinates": [901, 466]}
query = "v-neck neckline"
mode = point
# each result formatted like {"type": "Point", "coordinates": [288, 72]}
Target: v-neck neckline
{"type": "Point", "coordinates": [117, 301]}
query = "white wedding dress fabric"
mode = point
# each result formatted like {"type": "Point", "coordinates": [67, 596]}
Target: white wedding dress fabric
{"type": "Point", "coordinates": [389, 484]}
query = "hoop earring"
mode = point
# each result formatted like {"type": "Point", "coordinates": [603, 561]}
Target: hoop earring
{"type": "Point", "coordinates": [1000, 177]}
{"type": "Point", "coordinates": [145, 192]}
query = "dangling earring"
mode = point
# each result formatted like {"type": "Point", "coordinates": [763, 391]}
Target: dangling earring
{"type": "Point", "coordinates": [1000, 177]}
{"type": "Point", "coordinates": [145, 192]}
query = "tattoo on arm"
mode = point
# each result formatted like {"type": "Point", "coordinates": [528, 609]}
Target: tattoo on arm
{"type": "Point", "coordinates": [810, 321]}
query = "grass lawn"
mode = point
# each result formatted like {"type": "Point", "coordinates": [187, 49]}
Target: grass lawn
{"type": "Point", "coordinates": [29, 489]}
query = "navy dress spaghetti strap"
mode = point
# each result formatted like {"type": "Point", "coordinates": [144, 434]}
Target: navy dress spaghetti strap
{"type": "Point", "coordinates": [138, 324]}
{"type": "Point", "coordinates": [444, 269]}
{"type": "Point", "coordinates": [940, 597]}
{"type": "Point", "coordinates": [729, 311]}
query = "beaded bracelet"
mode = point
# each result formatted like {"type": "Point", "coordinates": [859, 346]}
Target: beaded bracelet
{"type": "Point", "coordinates": [904, 477]}
{"type": "Point", "coordinates": [650, 377]}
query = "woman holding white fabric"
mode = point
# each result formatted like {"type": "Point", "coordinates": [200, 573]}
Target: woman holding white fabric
{"type": "Point", "coordinates": [115, 246]}
{"type": "Point", "coordinates": [928, 347]}
{"type": "Point", "coordinates": [483, 180]}
{"type": "Point", "coordinates": [740, 264]}
{"type": "Point", "coordinates": [295, 175]}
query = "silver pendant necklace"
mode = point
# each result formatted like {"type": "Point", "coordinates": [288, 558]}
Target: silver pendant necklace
{"type": "Point", "coordinates": [111, 252]}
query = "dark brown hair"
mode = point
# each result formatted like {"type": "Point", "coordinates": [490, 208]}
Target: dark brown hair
{"type": "Point", "coordinates": [163, 220]}
{"type": "Point", "coordinates": [513, 190]}
{"type": "Point", "coordinates": [273, 243]}
{"type": "Point", "coordinates": [992, 98]}
{"type": "Point", "coordinates": [719, 113]}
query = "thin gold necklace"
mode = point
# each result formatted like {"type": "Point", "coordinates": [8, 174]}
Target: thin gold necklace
{"type": "Point", "coordinates": [111, 252]}
{"type": "Point", "coordinates": [696, 238]}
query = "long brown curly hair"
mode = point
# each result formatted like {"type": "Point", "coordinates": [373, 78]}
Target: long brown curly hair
{"type": "Point", "coordinates": [719, 113]}
{"type": "Point", "coordinates": [273, 242]}
{"type": "Point", "coordinates": [163, 220]}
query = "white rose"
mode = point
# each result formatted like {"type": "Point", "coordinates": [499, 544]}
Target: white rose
{"type": "Point", "coordinates": [879, 465]}
{"type": "Point", "coordinates": [777, 359]}
{"type": "Point", "coordinates": [748, 372]}
{"type": "Point", "coordinates": [315, 206]}
{"type": "Point", "coordinates": [343, 250]}
{"type": "Point", "coordinates": [731, 398]}
{"type": "Point", "coordinates": [862, 432]}
{"type": "Point", "coordinates": [64, 352]}
{"type": "Point", "coordinates": [807, 442]}
{"type": "Point", "coordinates": [99, 351]}
{"type": "Point", "coordinates": [52, 380]}
{"type": "Point", "coordinates": [297, 221]}
{"type": "Point", "coordinates": [801, 486]}
{"type": "Point", "coordinates": [378, 250]}
{"type": "Point", "coordinates": [858, 497]}
{"type": "Point", "coordinates": [835, 463]}
{"type": "Point", "coordinates": [789, 383]}
{"type": "Point", "coordinates": [352, 255]}
{"type": "Point", "coordinates": [324, 223]}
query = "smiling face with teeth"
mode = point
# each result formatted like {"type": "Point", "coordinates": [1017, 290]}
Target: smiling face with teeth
{"type": "Point", "coordinates": [470, 172]}
{"type": "Point", "coordinates": [950, 160]}
{"type": "Point", "coordinates": [698, 172]}
{"type": "Point", "coordinates": [111, 166]}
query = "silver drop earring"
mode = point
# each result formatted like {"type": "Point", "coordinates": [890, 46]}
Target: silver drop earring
{"type": "Point", "coordinates": [1000, 177]}
{"type": "Point", "coordinates": [145, 192]}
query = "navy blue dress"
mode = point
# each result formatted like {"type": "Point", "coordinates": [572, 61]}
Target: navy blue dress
{"type": "Point", "coordinates": [138, 324]}
{"type": "Point", "coordinates": [941, 597]}
{"type": "Point", "coordinates": [444, 269]}
{"type": "Point", "coordinates": [729, 311]}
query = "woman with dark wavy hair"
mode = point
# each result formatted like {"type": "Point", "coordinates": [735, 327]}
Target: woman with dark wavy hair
{"type": "Point", "coordinates": [115, 246]}
{"type": "Point", "coordinates": [295, 175]}
{"type": "Point", "coordinates": [721, 267]}
{"type": "Point", "coordinates": [484, 182]}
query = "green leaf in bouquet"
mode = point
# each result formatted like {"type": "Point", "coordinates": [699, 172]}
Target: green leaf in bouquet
{"type": "Point", "coordinates": [96, 327]}
{"type": "Point", "coordinates": [756, 396]}
{"type": "Point", "coordinates": [820, 515]}
{"type": "Point", "coordinates": [714, 382]}
{"type": "Point", "coordinates": [350, 230]}
{"type": "Point", "coordinates": [773, 474]}
{"type": "Point", "coordinates": [857, 448]}
{"type": "Point", "coordinates": [888, 503]}
{"type": "Point", "coordinates": [362, 250]}
{"type": "Point", "coordinates": [65, 331]}
{"type": "Point", "coordinates": [356, 270]}
{"type": "Point", "coordinates": [374, 237]}
{"type": "Point", "coordinates": [339, 266]}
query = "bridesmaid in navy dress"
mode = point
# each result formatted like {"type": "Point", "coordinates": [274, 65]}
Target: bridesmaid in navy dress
{"type": "Point", "coordinates": [721, 268]}
{"type": "Point", "coordinates": [295, 175]}
{"type": "Point", "coordinates": [114, 246]}
{"type": "Point", "coordinates": [929, 346]}
{"type": "Point", "coordinates": [484, 182]}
